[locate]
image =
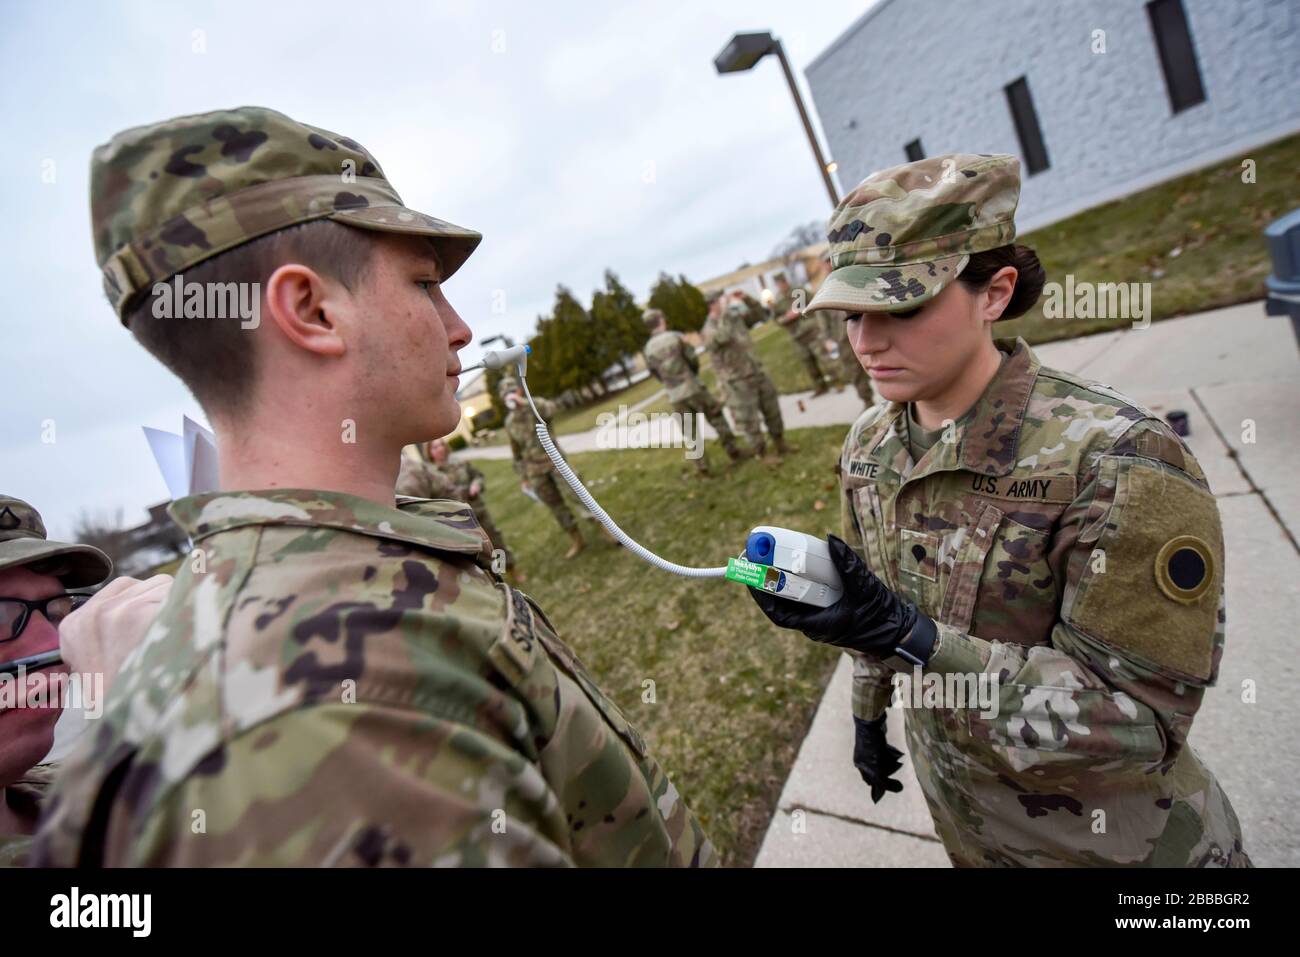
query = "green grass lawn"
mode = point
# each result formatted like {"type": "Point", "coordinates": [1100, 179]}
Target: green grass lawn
{"type": "Point", "coordinates": [1197, 239]}
{"type": "Point", "coordinates": [734, 695]}
{"type": "Point", "coordinates": [585, 417]}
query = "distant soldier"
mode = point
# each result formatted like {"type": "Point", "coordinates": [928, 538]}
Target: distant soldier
{"type": "Point", "coordinates": [532, 463]}
{"type": "Point", "coordinates": [438, 476]}
{"type": "Point", "coordinates": [835, 333]}
{"type": "Point", "coordinates": [746, 388]}
{"type": "Point", "coordinates": [754, 312]}
{"type": "Point", "coordinates": [806, 333]}
{"type": "Point", "coordinates": [672, 361]}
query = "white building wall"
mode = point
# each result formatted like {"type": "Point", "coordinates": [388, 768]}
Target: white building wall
{"type": "Point", "coordinates": [936, 69]}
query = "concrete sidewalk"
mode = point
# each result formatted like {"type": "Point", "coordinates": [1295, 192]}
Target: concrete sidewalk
{"type": "Point", "coordinates": [1234, 371]}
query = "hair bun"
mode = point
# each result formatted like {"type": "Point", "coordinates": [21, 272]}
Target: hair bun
{"type": "Point", "coordinates": [1029, 281]}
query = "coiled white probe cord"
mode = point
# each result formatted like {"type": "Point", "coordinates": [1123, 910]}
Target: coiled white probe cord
{"type": "Point", "coordinates": [575, 483]}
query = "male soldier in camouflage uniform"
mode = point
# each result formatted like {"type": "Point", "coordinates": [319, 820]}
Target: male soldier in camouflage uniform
{"type": "Point", "coordinates": [805, 333]}
{"type": "Point", "coordinates": [332, 681]}
{"type": "Point", "coordinates": [532, 464]}
{"type": "Point", "coordinates": [1060, 542]}
{"type": "Point", "coordinates": [753, 310]}
{"type": "Point", "coordinates": [746, 388]}
{"type": "Point", "coordinates": [35, 575]}
{"type": "Point", "coordinates": [672, 361]}
{"type": "Point", "coordinates": [439, 476]}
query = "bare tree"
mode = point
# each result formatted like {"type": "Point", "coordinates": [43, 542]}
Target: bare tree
{"type": "Point", "coordinates": [105, 532]}
{"type": "Point", "coordinates": [810, 232]}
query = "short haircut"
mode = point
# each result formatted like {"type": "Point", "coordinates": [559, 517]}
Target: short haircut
{"type": "Point", "coordinates": [214, 357]}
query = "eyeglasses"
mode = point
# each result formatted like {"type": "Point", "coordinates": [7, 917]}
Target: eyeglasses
{"type": "Point", "coordinates": [16, 612]}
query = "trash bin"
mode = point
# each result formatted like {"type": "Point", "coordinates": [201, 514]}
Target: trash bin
{"type": "Point", "coordinates": [1283, 237]}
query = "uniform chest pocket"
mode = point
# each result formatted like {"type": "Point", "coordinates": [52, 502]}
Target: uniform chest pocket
{"type": "Point", "coordinates": [1002, 587]}
{"type": "Point", "coordinates": [918, 554]}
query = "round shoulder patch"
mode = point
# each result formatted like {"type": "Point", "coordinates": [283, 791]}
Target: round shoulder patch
{"type": "Point", "coordinates": [1185, 568]}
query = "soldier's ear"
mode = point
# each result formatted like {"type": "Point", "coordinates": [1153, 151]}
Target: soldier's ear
{"type": "Point", "coordinates": [997, 294]}
{"type": "Point", "coordinates": [306, 309]}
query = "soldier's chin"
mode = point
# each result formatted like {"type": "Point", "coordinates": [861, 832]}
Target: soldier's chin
{"type": "Point", "coordinates": [894, 390]}
{"type": "Point", "coordinates": [440, 422]}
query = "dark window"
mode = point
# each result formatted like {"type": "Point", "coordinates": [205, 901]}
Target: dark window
{"type": "Point", "coordinates": [1177, 55]}
{"type": "Point", "coordinates": [1026, 119]}
{"type": "Point", "coordinates": [914, 151]}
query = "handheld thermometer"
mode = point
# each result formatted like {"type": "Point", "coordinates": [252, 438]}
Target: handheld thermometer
{"type": "Point", "coordinates": [789, 564]}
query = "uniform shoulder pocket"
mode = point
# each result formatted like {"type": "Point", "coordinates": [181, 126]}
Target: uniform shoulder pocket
{"type": "Point", "coordinates": [1151, 588]}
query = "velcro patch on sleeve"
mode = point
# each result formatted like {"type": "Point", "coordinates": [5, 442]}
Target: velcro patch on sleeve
{"type": "Point", "coordinates": [516, 649]}
{"type": "Point", "coordinates": [1152, 587]}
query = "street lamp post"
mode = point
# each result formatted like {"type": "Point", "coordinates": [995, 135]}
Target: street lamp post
{"type": "Point", "coordinates": [746, 49]}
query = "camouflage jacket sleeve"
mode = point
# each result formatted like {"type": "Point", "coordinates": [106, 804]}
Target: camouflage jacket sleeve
{"type": "Point", "coordinates": [474, 474]}
{"type": "Point", "coordinates": [516, 453]}
{"type": "Point", "coordinates": [547, 408]}
{"type": "Point", "coordinates": [717, 333]}
{"type": "Point", "coordinates": [872, 680]}
{"type": "Point", "coordinates": [688, 354]}
{"type": "Point", "coordinates": [385, 790]}
{"type": "Point", "coordinates": [24, 798]}
{"type": "Point", "coordinates": [1139, 633]}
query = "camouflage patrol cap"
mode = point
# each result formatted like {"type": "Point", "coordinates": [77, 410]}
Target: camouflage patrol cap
{"type": "Point", "coordinates": [906, 232]}
{"type": "Point", "coordinates": [652, 317]}
{"type": "Point", "coordinates": [714, 296]}
{"type": "Point", "coordinates": [23, 542]}
{"type": "Point", "coordinates": [507, 385]}
{"type": "Point", "coordinates": [168, 196]}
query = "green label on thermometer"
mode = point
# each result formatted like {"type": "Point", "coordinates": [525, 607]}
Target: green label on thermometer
{"type": "Point", "coordinates": [746, 572]}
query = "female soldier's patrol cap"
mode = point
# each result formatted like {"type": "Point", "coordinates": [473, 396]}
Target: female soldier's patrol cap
{"type": "Point", "coordinates": [168, 196]}
{"type": "Point", "coordinates": [23, 543]}
{"type": "Point", "coordinates": [906, 232]}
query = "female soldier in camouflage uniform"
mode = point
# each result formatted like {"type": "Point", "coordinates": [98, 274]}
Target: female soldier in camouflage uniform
{"type": "Point", "coordinates": [1019, 526]}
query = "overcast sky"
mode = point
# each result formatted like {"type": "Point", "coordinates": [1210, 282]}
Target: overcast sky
{"type": "Point", "coordinates": [574, 136]}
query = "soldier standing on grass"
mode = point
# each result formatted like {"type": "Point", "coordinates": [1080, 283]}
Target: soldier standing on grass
{"type": "Point", "coordinates": [332, 680]}
{"type": "Point", "coordinates": [805, 333]}
{"type": "Point", "coordinates": [746, 388]}
{"type": "Point", "coordinates": [440, 476]}
{"type": "Point", "coordinates": [1009, 521]}
{"type": "Point", "coordinates": [835, 331]}
{"type": "Point", "coordinates": [535, 469]}
{"type": "Point", "coordinates": [672, 361]}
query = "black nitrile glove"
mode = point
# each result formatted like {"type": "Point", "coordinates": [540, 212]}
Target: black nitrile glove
{"type": "Point", "coordinates": [868, 618]}
{"type": "Point", "coordinates": [874, 758]}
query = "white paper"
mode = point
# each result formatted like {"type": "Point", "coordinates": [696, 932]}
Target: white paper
{"type": "Point", "coordinates": [170, 456]}
{"type": "Point", "coordinates": [188, 461]}
{"type": "Point", "coordinates": [201, 461]}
